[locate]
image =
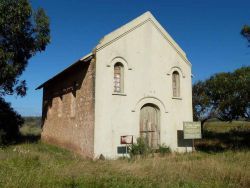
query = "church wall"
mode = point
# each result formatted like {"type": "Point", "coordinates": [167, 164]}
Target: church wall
{"type": "Point", "coordinates": [148, 61]}
{"type": "Point", "coordinates": [68, 110]}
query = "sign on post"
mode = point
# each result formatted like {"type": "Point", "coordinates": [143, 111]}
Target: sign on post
{"type": "Point", "coordinates": [127, 139]}
{"type": "Point", "coordinates": [192, 130]}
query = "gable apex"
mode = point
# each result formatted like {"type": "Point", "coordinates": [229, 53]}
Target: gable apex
{"type": "Point", "coordinates": [136, 23]}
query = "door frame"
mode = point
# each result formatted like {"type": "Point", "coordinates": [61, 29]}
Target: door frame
{"type": "Point", "coordinates": [158, 126]}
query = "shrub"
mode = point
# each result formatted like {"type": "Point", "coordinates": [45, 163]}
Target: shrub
{"type": "Point", "coordinates": [139, 148]}
{"type": "Point", "coordinates": [163, 149]}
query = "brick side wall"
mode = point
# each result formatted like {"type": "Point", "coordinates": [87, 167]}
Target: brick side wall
{"type": "Point", "coordinates": [68, 109]}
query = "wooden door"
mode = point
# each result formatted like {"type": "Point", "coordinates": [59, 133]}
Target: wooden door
{"type": "Point", "coordinates": [149, 125]}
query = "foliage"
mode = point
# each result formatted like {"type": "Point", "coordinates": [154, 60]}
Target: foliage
{"type": "Point", "coordinates": [31, 126]}
{"type": "Point", "coordinates": [30, 129]}
{"type": "Point", "coordinates": [163, 150]}
{"type": "Point", "coordinates": [23, 33]}
{"type": "Point", "coordinates": [33, 120]}
{"type": "Point", "coordinates": [201, 101]}
{"type": "Point", "coordinates": [225, 96]}
{"type": "Point", "coordinates": [139, 148]}
{"type": "Point", "coordinates": [245, 32]}
{"type": "Point", "coordinates": [10, 121]}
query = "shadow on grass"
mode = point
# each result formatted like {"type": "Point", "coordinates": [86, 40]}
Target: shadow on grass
{"type": "Point", "coordinates": [29, 139]}
{"type": "Point", "coordinates": [21, 139]}
{"type": "Point", "coordinates": [235, 139]}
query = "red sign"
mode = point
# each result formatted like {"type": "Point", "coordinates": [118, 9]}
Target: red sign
{"type": "Point", "coordinates": [128, 139]}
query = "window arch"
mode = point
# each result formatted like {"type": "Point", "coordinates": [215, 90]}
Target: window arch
{"type": "Point", "coordinates": [176, 84]}
{"type": "Point", "coordinates": [118, 78]}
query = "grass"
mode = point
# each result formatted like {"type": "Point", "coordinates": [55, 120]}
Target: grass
{"type": "Point", "coordinates": [221, 136]}
{"type": "Point", "coordinates": [41, 165]}
{"type": "Point", "coordinates": [222, 127]}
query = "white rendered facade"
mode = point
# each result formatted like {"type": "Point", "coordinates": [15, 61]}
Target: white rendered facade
{"type": "Point", "coordinates": [149, 57]}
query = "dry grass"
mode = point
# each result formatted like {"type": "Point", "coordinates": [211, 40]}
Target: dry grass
{"type": "Point", "coordinates": [221, 136]}
{"type": "Point", "coordinates": [31, 127]}
{"type": "Point", "coordinates": [222, 127]}
{"type": "Point", "coordinates": [41, 165]}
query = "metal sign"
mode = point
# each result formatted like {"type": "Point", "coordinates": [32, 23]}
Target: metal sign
{"type": "Point", "coordinates": [127, 139]}
{"type": "Point", "coordinates": [122, 149]}
{"type": "Point", "coordinates": [192, 130]}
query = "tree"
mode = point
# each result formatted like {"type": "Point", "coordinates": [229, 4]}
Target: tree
{"type": "Point", "coordinates": [201, 102]}
{"type": "Point", "coordinates": [10, 121]}
{"type": "Point", "coordinates": [23, 33]}
{"type": "Point", "coordinates": [225, 96]}
{"type": "Point", "coordinates": [245, 32]}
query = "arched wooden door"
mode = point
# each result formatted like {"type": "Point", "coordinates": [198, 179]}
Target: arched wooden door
{"type": "Point", "coordinates": [150, 125]}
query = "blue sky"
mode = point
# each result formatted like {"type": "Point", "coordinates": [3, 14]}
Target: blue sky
{"type": "Point", "coordinates": [208, 31]}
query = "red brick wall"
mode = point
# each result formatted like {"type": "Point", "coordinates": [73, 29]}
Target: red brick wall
{"type": "Point", "coordinates": [60, 126]}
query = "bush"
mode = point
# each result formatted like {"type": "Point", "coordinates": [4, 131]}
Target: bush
{"type": "Point", "coordinates": [139, 148]}
{"type": "Point", "coordinates": [163, 150]}
{"type": "Point", "coordinates": [10, 121]}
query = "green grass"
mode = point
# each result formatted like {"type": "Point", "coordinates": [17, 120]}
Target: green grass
{"type": "Point", "coordinates": [221, 136]}
{"type": "Point", "coordinates": [41, 165]}
{"type": "Point", "coordinates": [220, 126]}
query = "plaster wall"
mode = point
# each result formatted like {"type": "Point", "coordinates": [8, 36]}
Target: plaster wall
{"type": "Point", "coordinates": [149, 60]}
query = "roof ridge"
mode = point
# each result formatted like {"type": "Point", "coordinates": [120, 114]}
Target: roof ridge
{"type": "Point", "coordinates": [134, 24]}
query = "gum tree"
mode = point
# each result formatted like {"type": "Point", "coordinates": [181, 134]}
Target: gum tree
{"type": "Point", "coordinates": [23, 33]}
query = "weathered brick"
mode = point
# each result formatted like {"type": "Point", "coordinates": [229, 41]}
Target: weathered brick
{"type": "Point", "coordinates": [59, 126]}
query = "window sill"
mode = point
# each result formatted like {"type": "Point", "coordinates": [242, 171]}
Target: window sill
{"type": "Point", "coordinates": [122, 94]}
{"type": "Point", "coordinates": [177, 98]}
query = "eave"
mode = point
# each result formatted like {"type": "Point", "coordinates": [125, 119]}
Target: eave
{"type": "Point", "coordinates": [84, 59]}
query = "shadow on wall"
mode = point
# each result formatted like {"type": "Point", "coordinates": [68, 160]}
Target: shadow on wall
{"type": "Point", "coordinates": [68, 81]}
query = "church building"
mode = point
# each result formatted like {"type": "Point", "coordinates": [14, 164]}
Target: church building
{"type": "Point", "coordinates": [135, 83]}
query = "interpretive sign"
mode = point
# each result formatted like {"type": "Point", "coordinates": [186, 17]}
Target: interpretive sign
{"type": "Point", "coordinates": [192, 130]}
{"type": "Point", "coordinates": [122, 149]}
{"type": "Point", "coordinates": [127, 139]}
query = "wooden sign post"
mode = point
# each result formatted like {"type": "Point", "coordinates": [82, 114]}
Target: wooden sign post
{"type": "Point", "coordinates": [128, 140]}
{"type": "Point", "coordinates": [192, 130]}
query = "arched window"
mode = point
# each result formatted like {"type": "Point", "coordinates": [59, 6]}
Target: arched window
{"type": "Point", "coordinates": [176, 84]}
{"type": "Point", "coordinates": [118, 78]}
